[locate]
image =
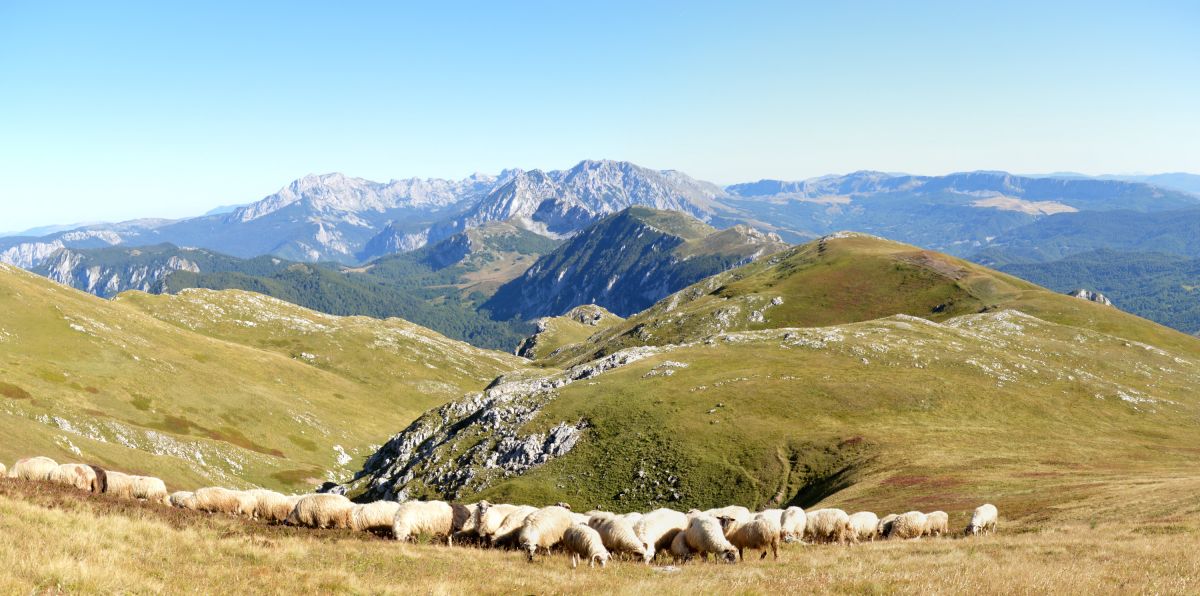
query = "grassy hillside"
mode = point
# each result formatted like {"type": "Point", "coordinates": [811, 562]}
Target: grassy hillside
{"type": "Point", "coordinates": [853, 277]}
{"type": "Point", "coordinates": [575, 326]}
{"type": "Point", "coordinates": [228, 386]}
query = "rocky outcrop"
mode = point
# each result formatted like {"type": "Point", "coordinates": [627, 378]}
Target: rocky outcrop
{"type": "Point", "coordinates": [471, 443]}
{"type": "Point", "coordinates": [1091, 296]}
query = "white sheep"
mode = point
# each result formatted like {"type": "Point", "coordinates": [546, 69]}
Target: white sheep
{"type": "Point", "coordinates": [3, 471]}
{"type": "Point", "coordinates": [374, 517]}
{"type": "Point", "coordinates": [506, 535]}
{"type": "Point", "coordinates": [584, 542]}
{"type": "Point", "coordinates": [271, 506]}
{"type": "Point", "coordinates": [705, 535]}
{"type": "Point", "coordinates": [792, 524]}
{"type": "Point", "coordinates": [657, 529]}
{"type": "Point", "coordinates": [151, 489]}
{"type": "Point", "coordinates": [983, 520]}
{"type": "Point", "coordinates": [491, 518]}
{"type": "Point", "coordinates": [734, 512]}
{"type": "Point", "coordinates": [631, 518]}
{"type": "Point", "coordinates": [423, 518]}
{"type": "Point", "coordinates": [321, 511]}
{"type": "Point", "coordinates": [864, 525]}
{"type": "Point", "coordinates": [119, 484]}
{"type": "Point", "coordinates": [909, 525]}
{"type": "Point", "coordinates": [937, 523]}
{"type": "Point", "coordinates": [680, 551]}
{"type": "Point", "coordinates": [543, 529]}
{"type": "Point", "coordinates": [760, 533]}
{"type": "Point", "coordinates": [617, 534]}
{"type": "Point", "coordinates": [828, 525]}
{"type": "Point", "coordinates": [775, 515]}
{"type": "Point", "coordinates": [79, 476]}
{"type": "Point", "coordinates": [216, 499]}
{"type": "Point", "coordinates": [466, 519]}
{"type": "Point", "coordinates": [183, 499]}
{"type": "Point", "coordinates": [33, 468]}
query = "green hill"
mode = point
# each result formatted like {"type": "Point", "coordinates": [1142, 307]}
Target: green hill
{"type": "Point", "coordinates": [575, 326]}
{"type": "Point", "coordinates": [998, 391]}
{"type": "Point", "coordinates": [228, 387]}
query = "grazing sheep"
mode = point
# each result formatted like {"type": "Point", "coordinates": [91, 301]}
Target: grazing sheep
{"type": "Point", "coordinates": [775, 515]}
{"type": "Point", "coordinates": [617, 534]}
{"type": "Point", "coordinates": [705, 535]}
{"type": "Point", "coordinates": [491, 518]}
{"type": "Point", "coordinates": [584, 542]}
{"type": "Point", "coordinates": [378, 516]}
{"type": "Point", "coordinates": [320, 511]}
{"type": "Point", "coordinates": [864, 525]}
{"type": "Point", "coordinates": [757, 534]}
{"type": "Point", "coordinates": [631, 518]}
{"type": "Point", "coordinates": [101, 485]}
{"type": "Point", "coordinates": [423, 518]}
{"type": "Point", "coordinates": [510, 529]}
{"type": "Point", "coordinates": [657, 529]}
{"type": "Point", "coordinates": [910, 525]}
{"type": "Point", "coordinates": [792, 524]}
{"type": "Point", "coordinates": [828, 525]}
{"type": "Point", "coordinates": [543, 529]}
{"type": "Point", "coordinates": [937, 523]}
{"type": "Point", "coordinates": [271, 506]}
{"type": "Point", "coordinates": [735, 512]}
{"type": "Point", "coordinates": [216, 499]}
{"type": "Point", "coordinates": [680, 551]}
{"type": "Point", "coordinates": [183, 499]}
{"type": "Point", "coordinates": [3, 471]}
{"type": "Point", "coordinates": [120, 484]}
{"type": "Point", "coordinates": [77, 475]}
{"type": "Point", "coordinates": [885, 524]}
{"type": "Point", "coordinates": [151, 489]}
{"type": "Point", "coordinates": [33, 468]}
{"type": "Point", "coordinates": [465, 523]}
{"type": "Point", "coordinates": [983, 520]}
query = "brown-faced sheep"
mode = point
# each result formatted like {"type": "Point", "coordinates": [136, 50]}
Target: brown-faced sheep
{"type": "Point", "coordinates": [423, 518]}
{"type": "Point", "coordinates": [216, 499]}
{"type": "Point", "coordinates": [79, 476]}
{"type": "Point", "coordinates": [33, 468]}
{"type": "Point", "coordinates": [510, 529]}
{"type": "Point", "coordinates": [760, 533]}
{"type": "Point", "coordinates": [864, 525]}
{"type": "Point", "coordinates": [828, 525]}
{"type": "Point", "coordinates": [792, 524]}
{"type": "Point", "coordinates": [657, 529]}
{"type": "Point", "coordinates": [617, 534]}
{"type": "Point", "coordinates": [907, 526]}
{"type": "Point", "coordinates": [321, 511]}
{"type": "Point", "coordinates": [377, 517]}
{"type": "Point", "coordinates": [543, 529]}
{"type": "Point", "coordinates": [937, 523]}
{"type": "Point", "coordinates": [705, 535]}
{"type": "Point", "coordinates": [584, 542]}
{"type": "Point", "coordinates": [983, 520]}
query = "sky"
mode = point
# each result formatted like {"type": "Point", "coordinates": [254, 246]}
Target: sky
{"type": "Point", "coordinates": [114, 110]}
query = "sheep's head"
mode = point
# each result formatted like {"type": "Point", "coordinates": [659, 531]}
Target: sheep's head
{"type": "Point", "coordinates": [602, 559]}
{"type": "Point", "coordinates": [726, 521]}
{"type": "Point", "coordinates": [729, 556]}
{"type": "Point", "coordinates": [566, 506]}
{"type": "Point", "coordinates": [647, 552]}
{"type": "Point", "coordinates": [971, 530]}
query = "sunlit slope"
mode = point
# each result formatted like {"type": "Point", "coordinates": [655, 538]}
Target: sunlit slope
{"type": "Point", "coordinates": [236, 388]}
{"type": "Point", "coordinates": [850, 277]}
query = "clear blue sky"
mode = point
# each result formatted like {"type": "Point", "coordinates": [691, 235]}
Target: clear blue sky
{"type": "Point", "coordinates": [119, 110]}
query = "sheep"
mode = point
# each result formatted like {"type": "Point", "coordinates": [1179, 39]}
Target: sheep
{"type": "Point", "coordinates": [101, 485]}
{"type": "Point", "coordinates": [510, 529]}
{"type": "Point", "coordinates": [465, 520]}
{"type": "Point", "coordinates": [271, 506]}
{"type": "Point", "coordinates": [937, 523]}
{"type": "Point", "coordinates": [657, 529]}
{"type": "Point", "coordinates": [828, 525]}
{"type": "Point", "coordinates": [491, 518]}
{"type": "Point", "coordinates": [864, 525]}
{"type": "Point", "coordinates": [584, 542]}
{"type": "Point", "coordinates": [543, 529]}
{"type": "Point", "coordinates": [983, 520]}
{"type": "Point", "coordinates": [736, 512]}
{"type": "Point", "coordinates": [120, 484]}
{"type": "Point", "coordinates": [617, 534]}
{"type": "Point", "coordinates": [3, 471]}
{"type": "Point", "coordinates": [320, 511]}
{"type": "Point", "coordinates": [77, 475]}
{"type": "Point", "coordinates": [374, 517]}
{"type": "Point", "coordinates": [792, 524]}
{"type": "Point", "coordinates": [216, 499]}
{"type": "Point", "coordinates": [758, 534]}
{"type": "Point", "coordinates": [33, 468]}
{"type": "Point", "coordinates": [151, 489]}
{"type": "Point", "coordinates": [423, 518]}
{"type": "Point", "coordinates": [909, 525]}
{"type": "Point", "coordinates": [705, 535]}
{"type": "Point", "coordinates": [775, 515]}
{"type": "Point", "coordinates": [885, 524]}
{"type": "Point", "coordinates": [183, 499]}
{"type": "Point", "coordinates": [680, 551]}
{"type": "Point", "coordinates": [631, 518]}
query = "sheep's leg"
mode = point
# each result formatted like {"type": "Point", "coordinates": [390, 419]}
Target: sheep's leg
{"type": "Point", "coordinates": [575, 561]}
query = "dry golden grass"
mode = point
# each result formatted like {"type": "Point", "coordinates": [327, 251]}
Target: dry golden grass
{"type": "Point", "coordinates": [58, 540]}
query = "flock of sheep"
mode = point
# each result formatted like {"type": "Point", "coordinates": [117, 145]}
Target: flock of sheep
{"type": "Point", "coordinates": [594, 537]}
